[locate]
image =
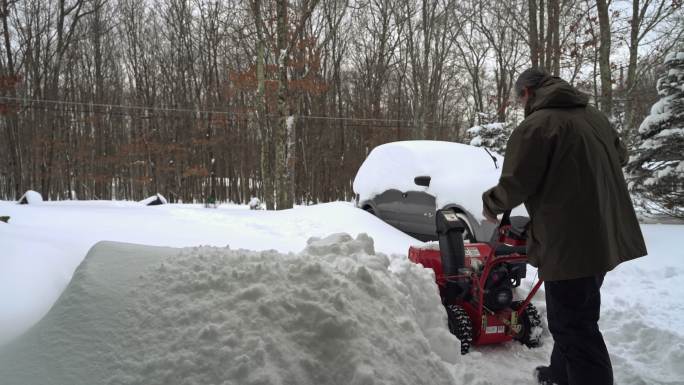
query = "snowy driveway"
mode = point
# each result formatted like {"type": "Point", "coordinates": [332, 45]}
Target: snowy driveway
{"type": "Point", "coordinates": [643, 300]}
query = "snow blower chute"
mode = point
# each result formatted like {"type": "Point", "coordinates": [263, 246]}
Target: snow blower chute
{"type": "Point", "coordinates": [476, 282]}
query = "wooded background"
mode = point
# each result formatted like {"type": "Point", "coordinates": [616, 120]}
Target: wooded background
{"type": "Point", "coordinates": [282, 100]}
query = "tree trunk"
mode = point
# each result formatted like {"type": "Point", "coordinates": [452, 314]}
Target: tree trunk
{"type": "Point", "coordinates": [11, 119]}
{"type": "Point", "coordinates": [631, 73]}
{"type": "Point", "coordinates": [542, 57]}
{"type": "Point", "coordinates": [604, 57]}
{"type": "Point", "coordinates": [264, 134]}
{"type": "Point", "coordinates": [284, 200]}
{"type": "Point", "coordinates": [550, 29]}
{"type": "Point", "coordinates": [533, 37]}
{"type": "Point", "coordinates": [555, 46]}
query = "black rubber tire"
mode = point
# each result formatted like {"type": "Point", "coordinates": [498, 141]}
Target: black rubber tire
{"type": "Point", "coordinates": [460, 325]}
{"type": "Point", "coordinates": [530, 335]}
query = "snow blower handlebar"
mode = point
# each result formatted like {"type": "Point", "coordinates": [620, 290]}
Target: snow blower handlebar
{"type": "Point", "coordinates": [505, 219]}
{"type": "Point", "coordinates": [503, 237]}
{"type": "Point", "coordinates": [503, 226]}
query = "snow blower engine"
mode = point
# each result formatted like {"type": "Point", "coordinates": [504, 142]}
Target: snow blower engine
{"type": "Point", "coordinates": [477, 280]}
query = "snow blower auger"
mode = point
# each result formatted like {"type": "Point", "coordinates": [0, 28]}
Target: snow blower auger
{"type": "Point", "coordinates": [476, 282]}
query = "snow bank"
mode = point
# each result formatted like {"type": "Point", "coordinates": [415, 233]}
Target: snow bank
{"type": "Point", "coordinates": [45, 243]}
{"type": "Point", "coordinates": [460, 173]}
{"type": "Point", "coordinates": [331, 314]}
{"type": "Point", "coordinates": [642, 314]}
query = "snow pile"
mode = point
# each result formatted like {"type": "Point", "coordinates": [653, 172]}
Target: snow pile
{"type": "Point", "coordinates": [31, 197]}
{"type": "Point", "coordinates": [460, 173]}
{"type": "Point", "coordinates": [255, 204]}
{"type": "Point", "coordinates": [45, 243]}
{"type": "Point", "coordinates": [331, 314]}
{"type": "Point", "coordinates": [642, 317]}
{"type": "Point", "coordinates": [154, 200]}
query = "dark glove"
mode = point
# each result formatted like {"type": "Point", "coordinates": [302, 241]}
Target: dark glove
{"type": "Point", "coordinates": [487, 211]}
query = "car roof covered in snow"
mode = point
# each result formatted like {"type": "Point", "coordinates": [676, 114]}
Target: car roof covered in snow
{"type": "Point", "coordinates": [459, 173]}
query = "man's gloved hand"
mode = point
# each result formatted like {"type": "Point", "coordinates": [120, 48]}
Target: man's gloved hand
{"type": "Point", "coordinates": [489, 216]}
{"type": "Point", "coordinates": [487, 212]}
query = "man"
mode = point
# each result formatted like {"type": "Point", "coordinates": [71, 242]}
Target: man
{"type": "Point", "coordinates": [564, 162]}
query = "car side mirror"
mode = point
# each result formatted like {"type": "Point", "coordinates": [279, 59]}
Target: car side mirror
{"type": "Point", "coordinates": [422, 181]}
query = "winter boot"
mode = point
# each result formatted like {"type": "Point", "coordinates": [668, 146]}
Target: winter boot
{"type": "Point", "coordinates": [543, 375]}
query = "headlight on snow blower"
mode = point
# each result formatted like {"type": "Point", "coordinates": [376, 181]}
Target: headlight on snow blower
{"type": "Point", "coordinates": [499, 298]}
{"type": "Point", "coordinates": [499, 288]}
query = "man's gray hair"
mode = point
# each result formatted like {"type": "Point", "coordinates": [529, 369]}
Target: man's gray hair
{"type": "Point", "coordinates": [531, 78]}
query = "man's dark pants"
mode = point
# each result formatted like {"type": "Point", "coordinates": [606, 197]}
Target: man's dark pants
{"type": "Point", "coordinates": [579, 354]}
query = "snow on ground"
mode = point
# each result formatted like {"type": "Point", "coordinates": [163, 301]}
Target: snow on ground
{"type": "Point", "coordinates": [43, 244]}
{"type": "Point", "coordinates": [642, 314]}
{"type": "Point", "coordinates": [332, 314]}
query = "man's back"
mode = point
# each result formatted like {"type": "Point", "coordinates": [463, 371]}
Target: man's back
{"type": "Point", "coordinates": [564, 162]}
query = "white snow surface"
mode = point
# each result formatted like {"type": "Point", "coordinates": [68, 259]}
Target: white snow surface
{"type": "Point", "coordinates": [337, 309]}
{"type": "Point", "coordinates": [476, 130]}
{"type": "Point", "coordinates": [42, 245]}
{"type": "Point", "coordinates": [674, 56]}
{"type": "Point", "coordinates": [459, 173]}
{"type": "Point", "coordinates": [660, 113]}
{"type": "Point", "coordinates": [332, 314]}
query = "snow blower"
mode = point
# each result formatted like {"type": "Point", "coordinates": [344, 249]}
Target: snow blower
{"type": "Point", "coordinates": [476, 282]}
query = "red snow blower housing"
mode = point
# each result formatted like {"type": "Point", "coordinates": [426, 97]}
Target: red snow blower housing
{"type": "Point", "coordinates": [476, 282]}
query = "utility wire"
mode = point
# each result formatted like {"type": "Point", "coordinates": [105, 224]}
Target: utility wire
{"type": "Point", "coordinates": [29, 103]}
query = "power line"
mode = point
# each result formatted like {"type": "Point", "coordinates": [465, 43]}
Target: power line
{"type": "Point", "coordinates": [29, 103]}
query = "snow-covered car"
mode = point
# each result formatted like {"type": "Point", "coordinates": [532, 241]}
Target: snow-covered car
{"type": "Point", "coordinates": [404, 183]}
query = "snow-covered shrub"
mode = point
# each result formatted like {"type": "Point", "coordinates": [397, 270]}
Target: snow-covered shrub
{"type": "Point", "coordinates": [211, 203]}
{"type": "Point", "coordinates": [491, 135]}
{"type": "Point", "coordinates": [30, 197]}
{"type": "Point", "coordinates": [656, 168]}
{"type": "Point", "coordinates": [255, 204]}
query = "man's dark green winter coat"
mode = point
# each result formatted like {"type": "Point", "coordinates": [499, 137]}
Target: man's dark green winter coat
{"type": "Point", "coordinates": [564, 162]}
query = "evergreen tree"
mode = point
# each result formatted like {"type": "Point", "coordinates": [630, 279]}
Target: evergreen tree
{"type": "Point", "coordinates": [656, 169]}
{"type": "Point", "coordinates": [491, 135]}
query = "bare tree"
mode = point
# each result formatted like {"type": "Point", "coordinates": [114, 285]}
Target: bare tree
{"type": "Point", "coordinates": [285, 156]}
{"type": "Point", "coordinates": [508, 53]}
{"type": "Point", "coordinates": [9, 77]}
{"type": "Point", "coordinates": [192, 98]}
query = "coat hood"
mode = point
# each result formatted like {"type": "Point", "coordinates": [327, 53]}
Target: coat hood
{"type": "Point", "coordinates": [555, 92]}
